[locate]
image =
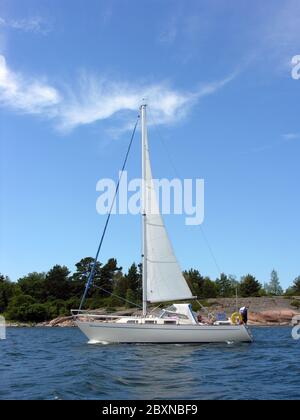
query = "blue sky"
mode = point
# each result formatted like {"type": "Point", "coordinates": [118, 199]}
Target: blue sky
{"type": "Point", "coordinates": [217, 77]}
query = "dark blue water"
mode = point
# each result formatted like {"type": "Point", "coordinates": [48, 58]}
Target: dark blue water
{"type": "Point", "coordinates": [58, 364]}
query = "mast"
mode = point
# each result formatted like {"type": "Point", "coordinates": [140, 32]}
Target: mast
{"type": "Point", "coordinates": [144, 195]}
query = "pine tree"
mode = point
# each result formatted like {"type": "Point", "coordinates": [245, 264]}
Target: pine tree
{"type": "Point", "coordinates": [58, 283]}
{"type": "Point", "coordinates": [195, 282]}
{"type": "Point", "coordinates": [224, 286]}
{"type": "Point", "coordinates": [250, 287]}
{"type": "Point", "coordinates": [107, 276]}
{"type": "Point", "coordinates": [274, 288]}
{"type": "Point", "coordinates": [296, 287]}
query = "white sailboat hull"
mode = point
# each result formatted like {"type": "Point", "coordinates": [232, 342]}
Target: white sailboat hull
{"type": "Point", "coordinates": [106, 332]}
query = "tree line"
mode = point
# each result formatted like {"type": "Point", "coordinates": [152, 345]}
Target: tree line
{"type": "Point", "coordinates": [39, 297]}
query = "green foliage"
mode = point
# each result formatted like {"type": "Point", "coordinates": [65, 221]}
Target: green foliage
{"type": "Point", "coordinates": [58, 283]}
{"type": "Point", "coordinates": [72, 303]}
{"type": "Point", "coordinates": [297, 285]}
{"type": "Point", "coordinates": [225, 287]}
{"type": "Point", "coordinates": [209, 289]}
{"type": "Point", "coordinates": [34, 285]}
{"type": "Point", "coordinates": [38, 312]}
{"type": "Point", "coordinates": [202, 287]}
{"type": "Point", "coordinates": [7, 289]}
{"type": "Point", "coordinates": [40, 297]}
{"type": "Point", "coordinates": [96, 302]}
{"type": "Point", "coordinates": [295, 289]}
{"type": "Point", "coordinates": [120, 287]}
{"type": "Point", "coordinates": [195, 281]}
{"type": "Point", "coordinates": [107, 276]}
{"type": "Point", "coordinates": [131, 281]}
{"type": "Point", "coordinates": [133, 278]}
{"type": "Point", "coordinates": [130, 299]}
{"type": "Point", "coordinates": [80, 277]}
{"type": "Point", "coordinates": [56, 308]}
{"type": "Point", "coordinates": [18, 307]}
{"type": "Point", "coordinates": [263, 292]}
{"type": "Point", "coordinates": [250, 287]}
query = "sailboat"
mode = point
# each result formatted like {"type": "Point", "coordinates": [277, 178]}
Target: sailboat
{"type": "Point", "coordinates": [163, 281]}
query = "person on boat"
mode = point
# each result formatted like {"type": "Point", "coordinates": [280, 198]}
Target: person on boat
{"type": "Point", "coordinates": [203, 320]}
{"type": "Point", "coordinates": [244, 313]}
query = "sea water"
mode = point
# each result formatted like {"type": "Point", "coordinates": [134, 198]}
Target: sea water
{"type": "Point", "coordinates": [57, 363]}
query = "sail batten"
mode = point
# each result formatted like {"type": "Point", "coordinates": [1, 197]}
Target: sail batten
{"type": "Point", "coordinates": [164, 280]}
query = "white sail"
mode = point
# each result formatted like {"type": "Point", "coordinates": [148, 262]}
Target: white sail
{"type": "Point", "coordinates": [164, 279]}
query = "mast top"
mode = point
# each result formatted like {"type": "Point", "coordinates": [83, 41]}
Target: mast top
{"type": "Point", "coordinates": [144, 104]}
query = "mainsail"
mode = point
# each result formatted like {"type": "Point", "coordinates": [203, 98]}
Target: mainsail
{"type": "Point", "coordinates": [164, 278]}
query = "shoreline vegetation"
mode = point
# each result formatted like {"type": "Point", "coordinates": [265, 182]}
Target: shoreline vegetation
{"type": "Point", "coordinates": [264, 312]}
{"type": "Point", "coordinates": [46, 299]}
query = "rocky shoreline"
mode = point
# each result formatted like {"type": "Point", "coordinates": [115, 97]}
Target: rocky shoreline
{"type": "Point", "coordinates": [58, 322]}
{"type": "Point", "coordinates": [264, 312]}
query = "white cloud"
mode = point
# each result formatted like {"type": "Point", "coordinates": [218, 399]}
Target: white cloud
{"type": "Point", "coordinates": [25, 94]}
{"type": "Point", "coordinates": [99, 99]}
{"type": "Point", "coordinates": [95, 99]}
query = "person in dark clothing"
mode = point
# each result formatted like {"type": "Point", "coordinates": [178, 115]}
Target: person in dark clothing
{"type": "Point", "coordinates": [244, 313]}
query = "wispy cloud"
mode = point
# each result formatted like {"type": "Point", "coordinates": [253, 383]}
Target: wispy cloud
{"type": "Point", "coordinates": [96, 99]}
{"type": "Point", "coordinates": [291, 136]}
{"type": "Point", "coordinates": [34, 24]}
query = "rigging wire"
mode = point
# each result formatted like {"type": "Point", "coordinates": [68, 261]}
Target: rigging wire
{"type": "Point", "coordinates": [168, 153]}
{"type": "Point", "coordinates": [92, 273]}
{"type": "Point", "coordinates": [117, 296]}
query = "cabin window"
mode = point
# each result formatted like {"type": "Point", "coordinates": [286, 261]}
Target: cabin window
{"type": "Point", "coordinates": [169, 322]}
{"type": "Point", "coordinates": [132, 321]}
{"type": "Point", "coordinates": [150, 322]}
{"type": "Point", "coordinates": [165, 314]}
